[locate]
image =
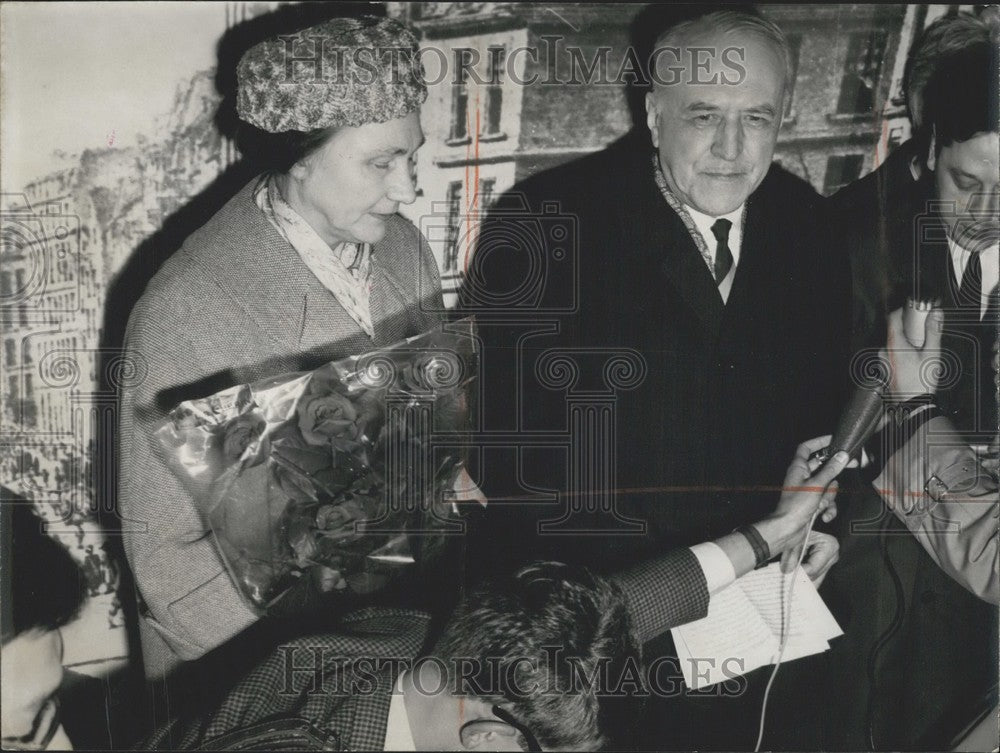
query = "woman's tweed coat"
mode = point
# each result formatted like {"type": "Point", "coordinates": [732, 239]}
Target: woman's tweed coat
{"type": "Point", "coordinates": [233, 305]}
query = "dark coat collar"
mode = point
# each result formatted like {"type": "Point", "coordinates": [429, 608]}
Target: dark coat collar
{"type": "Point", "coordinates": [677, 256]}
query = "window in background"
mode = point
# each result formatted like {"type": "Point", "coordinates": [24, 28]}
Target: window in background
{"type": "Point", "coordinates": [865, 55]}
{"type": "Point", "coordinates": [493, 99]}
{"type": "Point", "coordinates": [454, 216]}
{"type": "Point", "coordinates": [487, 189]}
{"type": "Point", "coordinates": [841, 169]}
{"type": "Point", "coordinates": [459, 131]}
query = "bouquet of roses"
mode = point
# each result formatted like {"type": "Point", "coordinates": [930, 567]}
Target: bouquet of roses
{"type": "Point", "coordinates": [343, 475]}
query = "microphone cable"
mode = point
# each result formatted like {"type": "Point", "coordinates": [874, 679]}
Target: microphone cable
{"type": "Point", "coordinates": [786, 619]}
{"type": "Point", "coordinates": [889, 633]}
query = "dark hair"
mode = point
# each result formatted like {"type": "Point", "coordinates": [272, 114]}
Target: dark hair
{"type": "Point", "coordinates": [513, 627]}
{"type": "Point", "coordinates": [278, 152]}
{"type": "Point", "coordinates": [960, 99]}
{"type": "Point", "coordinates": [945, 36]}
{"type": "Point", "coordinates": [42, 587]}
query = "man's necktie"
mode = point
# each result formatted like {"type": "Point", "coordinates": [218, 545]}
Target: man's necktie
{"type": "Point", "coordinates": [723, 256]}
{"type": "Point", "coordinates": [970, 292]}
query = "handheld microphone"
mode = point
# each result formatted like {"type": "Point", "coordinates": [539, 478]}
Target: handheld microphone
{"type": "Point", "coordinates": [857, 423]}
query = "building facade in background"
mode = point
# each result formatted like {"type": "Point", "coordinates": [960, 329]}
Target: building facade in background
{"type": "Point", "coordinates": [487, 128]}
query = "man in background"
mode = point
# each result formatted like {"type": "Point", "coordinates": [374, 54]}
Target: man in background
{"type": "Point", "coordinates": [918, 651]}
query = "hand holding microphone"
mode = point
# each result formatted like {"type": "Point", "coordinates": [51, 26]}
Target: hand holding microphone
{"type": "Point", "coordinates": [809, 490]}
{"type": "Point", "coordinates": [913, 346]}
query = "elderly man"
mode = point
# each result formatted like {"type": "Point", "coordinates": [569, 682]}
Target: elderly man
{"type": "Point", "coordinates": [703, 261]}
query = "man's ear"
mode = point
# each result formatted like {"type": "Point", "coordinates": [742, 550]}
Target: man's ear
{"type": "Point", "coordinates": [932, 150]}
{"type": "Point", "coordinates": [481, 731]}
{"type": "Point", "coordinates": [652, 116]}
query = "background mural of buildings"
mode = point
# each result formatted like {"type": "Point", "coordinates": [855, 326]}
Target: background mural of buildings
{"type": "Point", "coordinates": [78, 243]}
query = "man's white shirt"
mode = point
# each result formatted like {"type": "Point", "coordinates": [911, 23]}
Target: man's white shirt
{"type": "Point", "coordinates": [704, 224]}
{"type": "Point", "coordinates": [715, 563]}
{"type": "Point", "coordinates": [990, 263]}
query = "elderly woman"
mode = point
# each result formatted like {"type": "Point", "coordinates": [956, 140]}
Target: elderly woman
{"type": "Point", "coordinates": [308, 263]}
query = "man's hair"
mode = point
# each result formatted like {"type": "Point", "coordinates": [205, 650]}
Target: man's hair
{"type": "Point", "coordinates": [941, 39]}
{"type": "Point", "coordinates": [960, 99]}
{"type": "Point", "coordinates": [536, 634]}
{"type": "Point", "coordinates": [42, 587]}
{"type": "Point", "coordinates": [665, 25]}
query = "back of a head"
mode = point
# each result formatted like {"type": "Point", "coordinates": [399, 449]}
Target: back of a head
{"type": "Point", "coordinates": [960, 99]}
{"type": "Point", "coordinates": [556, 636]}
{"type": "Point", "coordinates": [42, 588]}
{"type": "Point", "coordinates": [941, 39]}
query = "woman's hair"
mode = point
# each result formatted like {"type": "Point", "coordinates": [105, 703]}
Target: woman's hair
{"type": "Point", "coordinates": [42, 584]}
{"type": "Point", "coordinates": [278, 152]}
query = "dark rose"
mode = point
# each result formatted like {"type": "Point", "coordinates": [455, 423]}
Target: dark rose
{"type": "Point", "coordinates": [325, 418]}
{"type": "Point", "coordinates": [240, 433]}
{"type": "Point", "coordinates": [337, 522]}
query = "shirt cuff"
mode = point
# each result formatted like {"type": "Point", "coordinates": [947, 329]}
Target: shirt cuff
{"type": "Point", "coordinates": [715, 563]}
